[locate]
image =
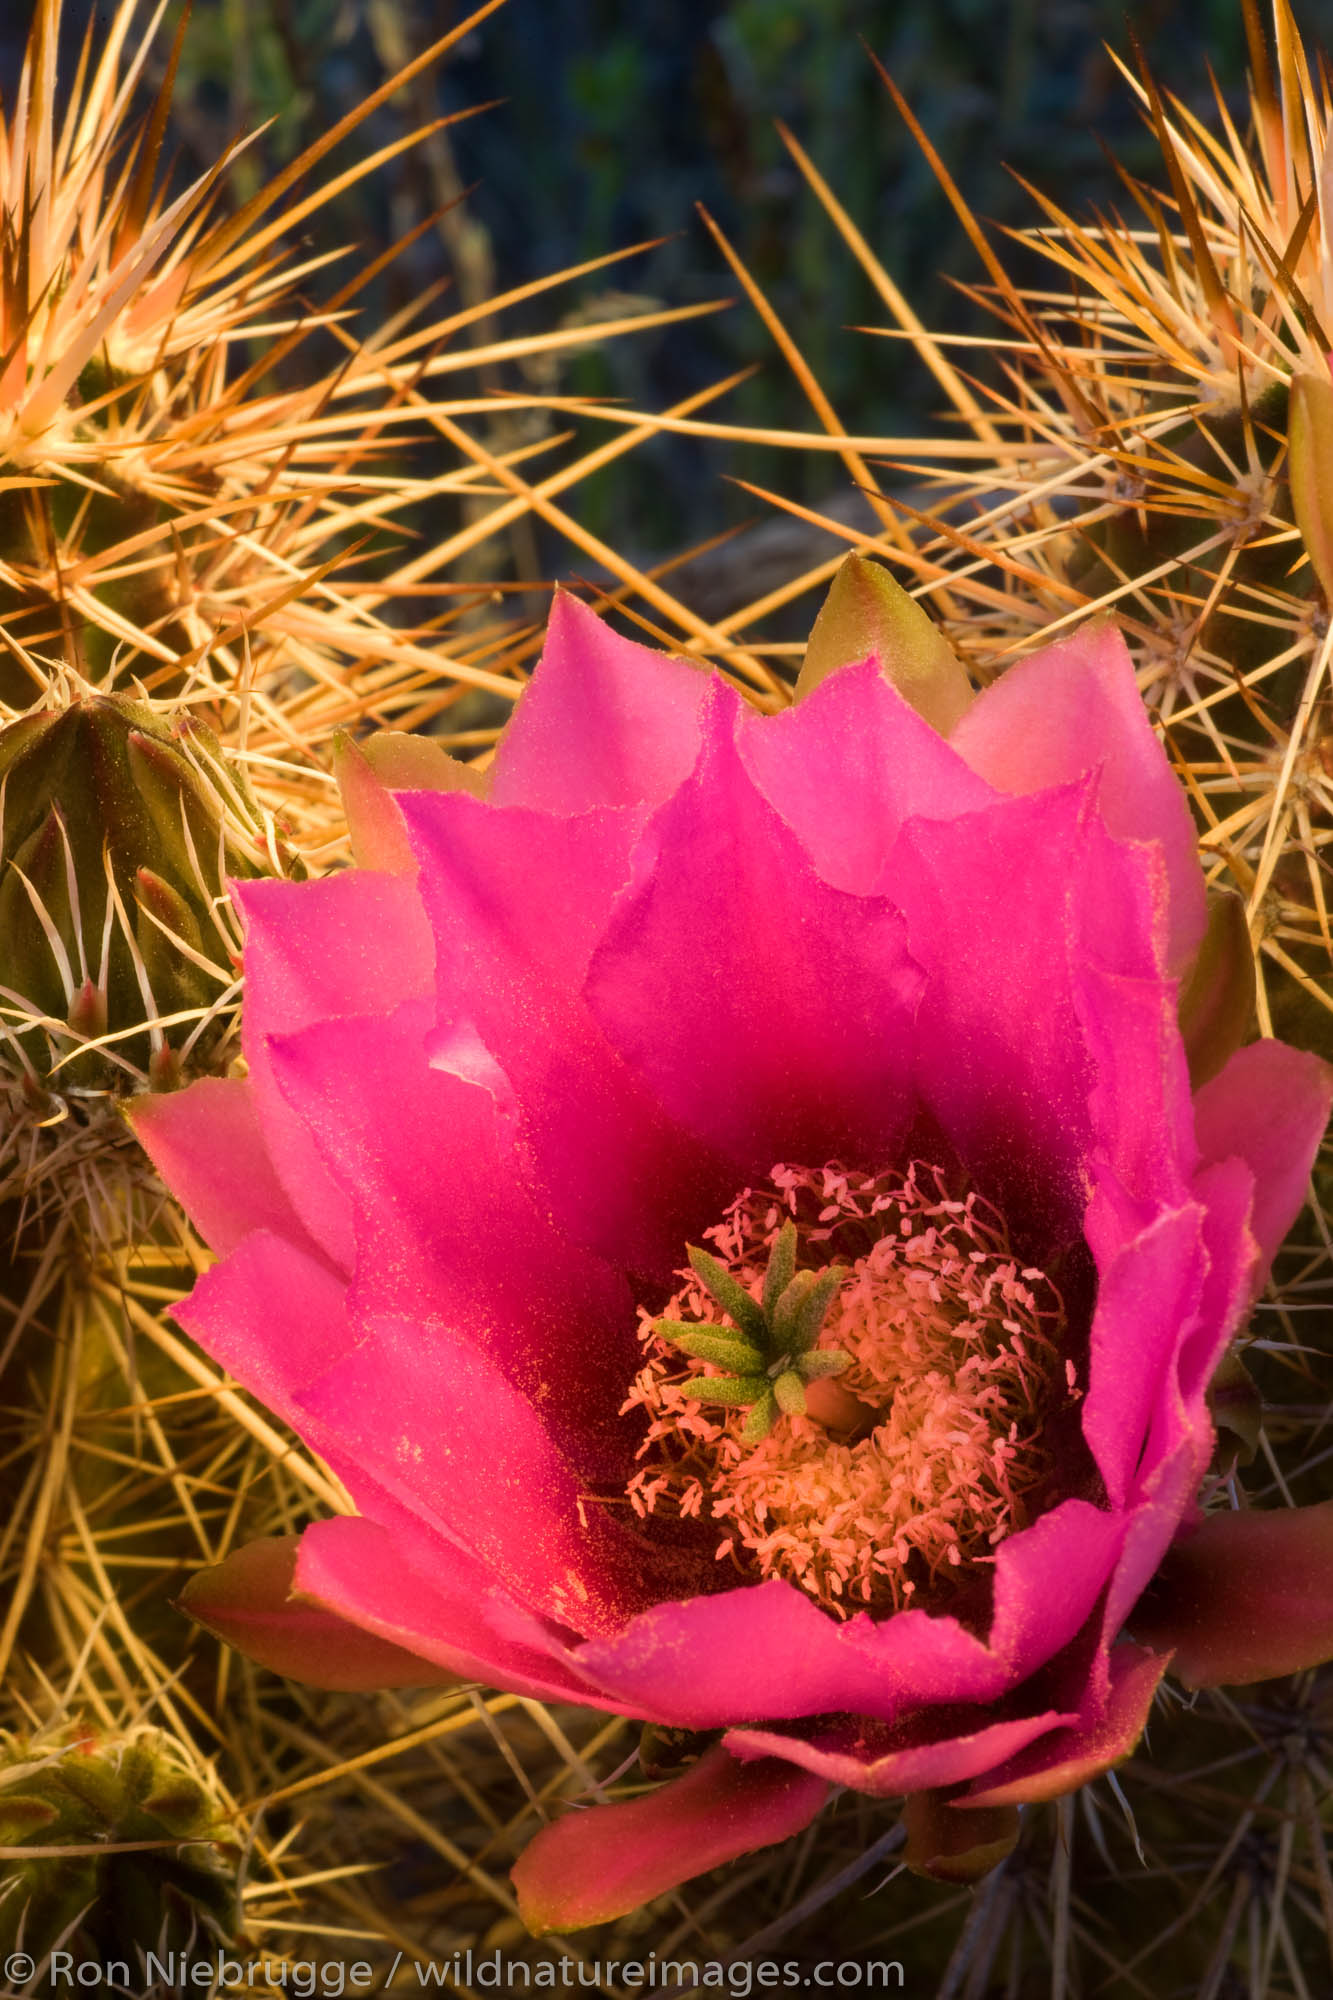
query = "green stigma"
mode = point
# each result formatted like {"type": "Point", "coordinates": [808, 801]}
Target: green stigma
{"type": "Point", "coordinates": [772, 1355]}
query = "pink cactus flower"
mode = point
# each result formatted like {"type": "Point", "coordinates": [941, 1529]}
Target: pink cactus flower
{"type": "Point", "coordinates": [733, 1207]}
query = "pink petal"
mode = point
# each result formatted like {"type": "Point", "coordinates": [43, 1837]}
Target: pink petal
{"type": "Point", "coordinates": [434, 1424]}
{"type": "Point", "coordinates": [1166, 1496]}
{"type": "Point", "coordinates": [598, 1864]}
{"type": "Point", "coordinates": [1268, 1107]}
{"type": "Point", "coordinates": [1075, 707]}
{"type": "Point", "coordinates": [447, 1237]}
{"type": "Point", "coordinates": [912, 1757]}
{"type": "Point", "coordinates": [1147, 1298]}
{"type": "Point", "coordinates": [1068, 1758]}
{"type": "Point", "coordinates": [1177, 1350]}
{"type": "Point", "coordinates": [437, 1602]}
{"type": "Point", "coordinates": [770, 1014]}
{"type": "Point", "coordinates": [517, 902]}
{"type": "Point", "coordinates": [278, 1321]}
{"type": "Point", "coordinates": [1141, 1110]}
{"type": "Point", "coordinates": [1226, 1190]}
{"type": "Point", "coordinates": [247, 1600]}
{"type": "Point", "coordinates": [273, 1316]}
{"type": "Point", "coordinates": [423, 1431]}
{"type": "Point", "coordinates": [768, 1651]}
{"type": "Point", "coordinates": [846, 766]}
{"type": "Point", "coordinates": [997, 920]}
{"type": "Point", "coordinates": [1077, 1543]}
{"type": "Point", "coordinates": [513, 894]}
{"type": "Point", "coordinates": [350, 944]}
{"type": "Point", "coordinates": [1245, 1597]}
{"type": "Point", "coordinates": [207, 1144]}
{"type": "Point", "coordinates": [603, 722]}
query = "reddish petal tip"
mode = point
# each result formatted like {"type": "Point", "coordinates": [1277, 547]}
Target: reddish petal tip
{"type": "Point", "coordinates": [247, 1600]}
{"type": "Point", "coordinates": [597, 1864]}
{"type": "Point", "coordinates": [1247, 1597]}
{"type": "Point", "coordinates": [1069, 1758]}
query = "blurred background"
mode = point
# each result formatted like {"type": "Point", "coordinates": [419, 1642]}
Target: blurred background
{"type": "Point", "coordinates": [615, 120]}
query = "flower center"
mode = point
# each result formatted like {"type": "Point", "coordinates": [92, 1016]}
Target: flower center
{"type": "Point", "coordinates": [854, 1384]}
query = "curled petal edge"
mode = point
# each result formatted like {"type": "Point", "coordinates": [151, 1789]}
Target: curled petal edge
{"type": "Point", "coordinates": [1068, 1758]}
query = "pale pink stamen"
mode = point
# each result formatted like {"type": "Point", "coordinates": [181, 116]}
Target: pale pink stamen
{"type": "Point", "coordinates": [954, 1362]}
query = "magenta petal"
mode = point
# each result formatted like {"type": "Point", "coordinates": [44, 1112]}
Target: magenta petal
{"type": "Point", "coordinates": [1068, 1758]}
{"type": "Point", "coordinates": [1245, 1597]}
{"type": "Point", "coordinates": [1165, 1495]}
{"type": "Point", "coordinates": [423, 1432]}
{"type": "Point", "coordinates": [272, 1316]}
{"type": "Point", "coordinates": [770, 1651]}
{"type": "Point", "coordinates": [432, 1421]}
{"type": "Point", "coordinates": [686, 943]}
{"type": "Point", "coordinates": [1077, 1543]}
{"type": "Point", "coordinates": [247, 1600]}
{"type": "Point", "coordinates": [1141, 1109]}
{"type": "Point", "coordinates": [1075, 707]}
{"type": "Point", "coordinates": [598, 1864]}
{"type": "Point", "coordinates": [846, 766]}
{"type": "Point", "coordinates": [438, 1606]}
{"type": "Point", "coordinates": [355, 943]}
{"type": "Point", "coordinates": [516, 899]}
{"type": "Point", "coordinates": [517, 902]}
{"type": "Point", "coordinates": [278, 1322]}
{"type": "Point", "coordinates": [603, 722]}
{"type": "Point", "coordinates": [1149, 1295]}
{"type": "Point", "coordinates": [991, 901]}
{"type": "Point", "coordinates": [914, 1757]}
{"type": "Point", "coordinates": [1268, 1107]}
{"type": "Point", "coordinates": [466, 1247]}
{"type": "Point", "coordinates": [770, 1014]}
{"type": "Point", "coordinates": [1226, 1190]}
{"type": "Point", "coordinates": [207, 1144]}
{"type": "Point", "coordinates": [350, 944]}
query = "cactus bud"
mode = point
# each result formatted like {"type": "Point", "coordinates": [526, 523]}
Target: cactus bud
{"type": "Point", "coordinates": [148, 1860]}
